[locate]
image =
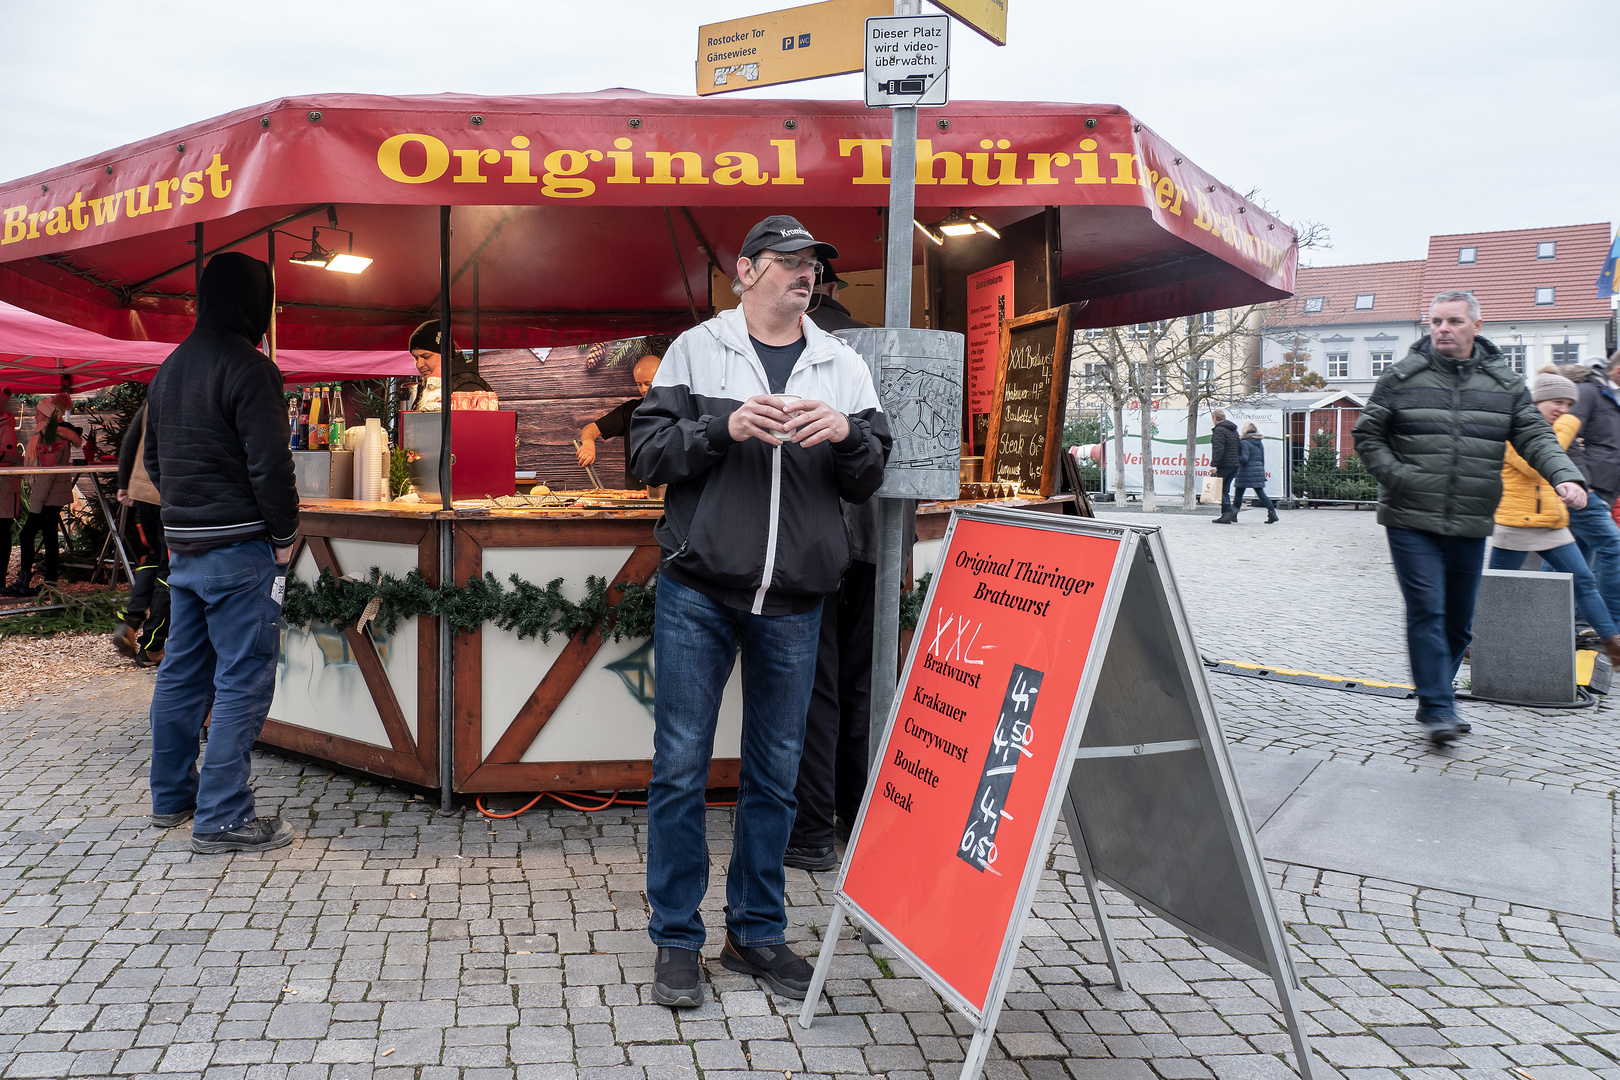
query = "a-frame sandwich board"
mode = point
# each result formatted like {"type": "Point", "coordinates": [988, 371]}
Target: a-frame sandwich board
{"type": "Point", "coordinates": [1052, 671]}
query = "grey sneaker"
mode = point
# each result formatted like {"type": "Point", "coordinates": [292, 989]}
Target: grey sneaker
{"type": "Point", "coordinates": [169, 821]}
{"type": "Point", "coordinates": [677, 981]}
{"type": "Point", "coordinates": [260, 834]}
{"type": "Point", "coordinates": [780, 967]}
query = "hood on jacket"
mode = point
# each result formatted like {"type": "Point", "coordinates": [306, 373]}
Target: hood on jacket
{"type": "Point", "coordinates": [730, 328]}
{"type": "Point", "coordinates": [235, 296]}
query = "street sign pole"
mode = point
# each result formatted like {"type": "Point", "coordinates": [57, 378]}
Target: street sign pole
{"type": "Point", "coordinates": [897, 515]}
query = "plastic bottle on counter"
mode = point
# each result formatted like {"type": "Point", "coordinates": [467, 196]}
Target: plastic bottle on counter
{"type": "Point", "coordinates": [292, 423]}
{"type": "Point", "coordinates": [340, 427]}
{"type": "Point", "coordinates": [304, 405]}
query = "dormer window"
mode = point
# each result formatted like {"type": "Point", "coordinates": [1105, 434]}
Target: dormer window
{"type": "Point", "coordinates": [1313, 305]}
{"type": "Point", "coordinates": [1544, 297]}
{"type": "Point", "coordinates": [1364, 301]}
{"type": "Point", "coordinates": [1547, 249]}
{"type": "Point", "coordinates": [1467, 256]}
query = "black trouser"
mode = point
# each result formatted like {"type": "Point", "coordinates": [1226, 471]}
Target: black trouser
{"type": "Point", "coordinates": [832, 770]}
{"type": "Point", "coordinates": [5, 548]}
{"type": "Point", "coordinates": [1226, 492]}
{"type": "Point", "coordinates": [48, 521]}
{"type": "Point", "coordinates": [148, 610]}
{"type": "Point", "coordinates": [1260, 496]}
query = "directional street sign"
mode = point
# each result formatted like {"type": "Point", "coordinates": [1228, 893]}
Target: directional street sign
{"type": "Point", "coordinates": [908, 60]}
{"type": "Point", "coordinates": [808, 42]}
{"type": "Point", "coordinates": [988, 17]}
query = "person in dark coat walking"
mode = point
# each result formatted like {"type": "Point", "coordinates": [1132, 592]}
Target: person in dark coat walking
{"type": "Point", "coordinates": [1252, 473]}
{"type": "Point", "coordinates": [216, 449]}
{"type": "Point", "coordinates": [1225, 454]}
{"type": "Point", "coordinates": [1596, 452]}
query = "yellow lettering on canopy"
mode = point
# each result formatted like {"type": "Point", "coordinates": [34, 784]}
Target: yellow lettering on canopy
{"type": "Point", "coordinates": [624, 172]}
{"type": "Point", "coordinates": [739, 168]}
{"type": "Point", "coordinates": [925, 165]}
{"type": "Point", "coordinates": [388, 158]}
{"type": "Point", "coordinates": [520, 162]}
{"type": "Point", "coordinates": [787, 163]}
{"type": "Point", "coordinates": [1124, 169]}
{"type": "Point", "coordinates": [76, 209]}
{"type": "Point", "coordinates": [58, 223]}
{"type": "Point", "coordinates": [33, 226]}
{"type": "Point", "coordinates": [691, 167]}
{"type": "Point", "coordinates": [218, 186]}
{"type": "Point", "coordinates": [14, 224]}
{"type": "Point", "coordinates": [1088, 164]}
{"type": "Point", "coordinates": [163, 189]}
{"type": "Point", "coordinates": [871, 159]}
{"type": "Point", "coordinates": [566, 163]}
{"type": "Point", "coordinates": [1007, 165]}
{"type": "Point", "coordinates": [1043, 167]}
{"type": "Point", "coordinates": [106, 207]}
{"type": "Point", "coordinates": [470, 160]}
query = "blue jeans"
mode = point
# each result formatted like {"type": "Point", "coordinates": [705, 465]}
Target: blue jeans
{"type": "Point", "coordinates": [1599, 539]}
{"type": "Point", "coordinates": [221, 654]}
{"type": "Point", "coordinates": [695, 643]}
{"type": "Point", "coordinates": [1567, 560]}
{"type": "Point", "coordinates": [1439, 577]}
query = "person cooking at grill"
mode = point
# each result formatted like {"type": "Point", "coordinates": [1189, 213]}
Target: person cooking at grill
{"type": "Point", "coordinates": [616, 424]}
{"type": "Point", "coordinates": [424, 349]}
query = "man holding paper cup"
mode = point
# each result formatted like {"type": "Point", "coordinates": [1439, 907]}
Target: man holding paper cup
{"type": "Point", "coordinates": [759, 422]}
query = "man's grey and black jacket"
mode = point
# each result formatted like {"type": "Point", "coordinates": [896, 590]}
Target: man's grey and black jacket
{"type": "Point", "coordinates": [1433, 432]}
{"type": "Point", "coordinates": [752, 526]}
{"type": "Point", "coordinates": [216, 421]}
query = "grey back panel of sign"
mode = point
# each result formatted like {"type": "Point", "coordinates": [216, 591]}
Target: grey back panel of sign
{"type": "Point", "coordinates": [1153, 822]}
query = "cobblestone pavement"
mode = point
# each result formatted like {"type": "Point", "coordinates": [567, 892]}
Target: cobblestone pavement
{"type": "Point", "coordinates": [390, 941]}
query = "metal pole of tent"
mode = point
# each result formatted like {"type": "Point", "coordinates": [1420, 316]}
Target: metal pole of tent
{"type": "Point", "coordinates": [897, 514]}
{"type": "Point", "coordinates": [475, 349]}
{"type": "Point", "coordinates": [270, 253]}
{"type": "Point", "coordinates": [447, 555]}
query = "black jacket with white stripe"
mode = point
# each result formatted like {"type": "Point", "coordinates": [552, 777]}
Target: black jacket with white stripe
{"type": "Point", "coordinates": [755, 527]}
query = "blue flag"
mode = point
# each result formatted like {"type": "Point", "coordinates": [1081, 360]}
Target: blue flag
{"type": "Point", "coordinates": [1608, 282]}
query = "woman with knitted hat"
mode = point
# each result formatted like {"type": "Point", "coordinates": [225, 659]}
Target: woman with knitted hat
{"type": "Point", "coordinates": [426, 351]}
{"type": "Point", "coordinates": [1531, 516]}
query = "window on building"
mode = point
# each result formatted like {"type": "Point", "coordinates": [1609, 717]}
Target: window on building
{"type": "Point", "coordinates": [1206, 321]}
{"type": "Point", "coordinates": [1547, 249]}
{"type": "Point", "coordinates": [1381, 361]}
{"type": "Point", "coordinates": [1313, 304]}
{"type": "Point", "coordinates": [1467, 256]}
{"type": "Point", "coordinates": [1544, 297]}
{"type": "Point", "coordinates": [1364, 301]}
{"type": "Point", "coordinates": [1096, 376]}
{"type": "Point", "coordinates": [1097, 332]}
{"type": "Point", "coordinates": [1338, 365]}
{"type": "Point", "coordinates": [1566, 353]}
{"type": "Point", "coordinates": [1206, 372]}
{"type": "Point", "coordinates": [1514, 355]}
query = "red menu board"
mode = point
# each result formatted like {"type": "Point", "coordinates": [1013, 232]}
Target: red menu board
{"type": "Point", "coordinates": [984, 722]}
{"type": "Point", "coordinates": [989, 304]}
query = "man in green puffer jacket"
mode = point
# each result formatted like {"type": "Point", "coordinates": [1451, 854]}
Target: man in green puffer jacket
{"type": "Point", "coordinates": [1433, 434]}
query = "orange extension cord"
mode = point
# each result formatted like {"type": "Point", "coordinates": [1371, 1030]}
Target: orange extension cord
{"type": "Point", "coordinates": [612, 800]}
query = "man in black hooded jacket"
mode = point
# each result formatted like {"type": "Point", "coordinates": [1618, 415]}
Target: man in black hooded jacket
{"type": "Point", "coordinates": [217, 450]}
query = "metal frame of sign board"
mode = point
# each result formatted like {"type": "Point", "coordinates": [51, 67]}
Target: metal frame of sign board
{"type": "Point", "coordinates": [984, 1022]}
{"type": "Point", "coordinates": [1277, 962]}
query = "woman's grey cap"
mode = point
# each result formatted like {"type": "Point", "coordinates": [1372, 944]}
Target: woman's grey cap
{"type": "Point", "coordinates": [1552, 388]}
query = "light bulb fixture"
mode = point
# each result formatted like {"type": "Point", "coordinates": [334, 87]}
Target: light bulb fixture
{"type": "Point", "coordinates": [957, 223]}
{"type": "Point", "coordinates": [342, 262]}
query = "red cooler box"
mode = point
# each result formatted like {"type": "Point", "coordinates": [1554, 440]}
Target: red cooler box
{"type": "Point", "coordinates": [483, 460]}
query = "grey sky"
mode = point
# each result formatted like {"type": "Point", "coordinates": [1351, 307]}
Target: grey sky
{"type": "Point", "coordinates": [1385, 120]}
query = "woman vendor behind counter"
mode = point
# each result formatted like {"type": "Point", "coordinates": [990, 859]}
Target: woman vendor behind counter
{"type": "Point", "coordinates": [424, 349]}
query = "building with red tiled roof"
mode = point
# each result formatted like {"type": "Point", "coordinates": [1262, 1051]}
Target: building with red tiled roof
{"type": "Point", "coordinates": [1535, 289]}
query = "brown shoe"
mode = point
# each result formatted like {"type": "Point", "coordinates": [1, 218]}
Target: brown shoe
{"type": "Point", "coordinates": [124, 639]}
{"type": "Point", "coordinates": [144, 659]}
{"type": "Point", "coordinates": [1611, 649]}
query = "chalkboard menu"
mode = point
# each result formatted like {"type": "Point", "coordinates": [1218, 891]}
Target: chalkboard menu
{"type": "Point", "coordinates": [1026, 414]}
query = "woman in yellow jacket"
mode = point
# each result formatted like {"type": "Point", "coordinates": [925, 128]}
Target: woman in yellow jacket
{"type": "Point", "coordinates": [1531, 516]}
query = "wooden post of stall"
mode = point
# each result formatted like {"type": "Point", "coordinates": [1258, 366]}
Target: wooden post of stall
{"type": "Point", "coordinates": [447, 563]}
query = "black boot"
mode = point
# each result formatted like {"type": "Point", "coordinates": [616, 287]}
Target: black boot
{"type": "Point", "coordinates": [1271, 517]}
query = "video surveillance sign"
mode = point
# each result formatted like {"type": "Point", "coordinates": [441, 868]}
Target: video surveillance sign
{"type": "Point", "coordinates": [908, 59]}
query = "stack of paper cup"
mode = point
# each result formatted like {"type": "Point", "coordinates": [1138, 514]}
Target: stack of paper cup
{"type": "Point", "coordinates": [370, 478]}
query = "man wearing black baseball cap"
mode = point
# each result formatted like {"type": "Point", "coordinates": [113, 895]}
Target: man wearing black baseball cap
{"type": "Point", "coordinates": [759, 421]}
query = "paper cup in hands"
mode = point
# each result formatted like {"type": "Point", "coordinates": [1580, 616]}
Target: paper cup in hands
{"type": "Point", "coordinates": [786, 434]}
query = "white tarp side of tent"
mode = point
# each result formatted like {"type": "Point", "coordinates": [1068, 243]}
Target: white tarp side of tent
{"type": "Point", "coordinates": [1170, 449]}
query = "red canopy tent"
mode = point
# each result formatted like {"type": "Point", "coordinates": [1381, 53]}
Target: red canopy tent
{"type": "Point", "coordinates": [594, 216]}
{"type": "Point", "coordinates": [35, 352]}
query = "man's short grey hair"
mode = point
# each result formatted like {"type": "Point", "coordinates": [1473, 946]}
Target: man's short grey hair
{"type": "Point", "coordinates": [737, 286]}
{"type": "Point", "coordinates": [1217, 415]}
{"type": "Point", "coordinates": [1456, 296]}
